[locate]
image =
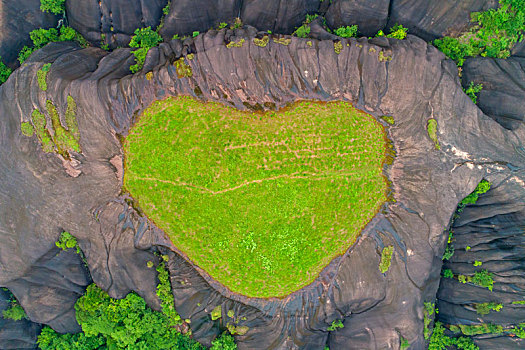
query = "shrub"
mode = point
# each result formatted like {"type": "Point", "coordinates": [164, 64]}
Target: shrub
{"type": "Point", "coordinates": [303, 31]}
{"type": "Point", "coordinates": [166, 9]}
{"type": "Point", "coordinates": [346, 32]}
{"type": "Point", "coordinates": [42, 37]}
{"type": "Point", "coordinates": [67, 241]}
{"type": "Point", "coordinates": [125, 324]}
{"type": "Point", "coordinates": [336, 324]}
{"type": "Point", "coordinates": [482, 278]}
{"type": "Point", "coordinates": [449, 252]}
{"type": "Point", "coordinates": [15, 312]}
{"type": "Point", "coordinates": [223, 342]}
{"type": "Point", "coordinates": [447, 273]}
{"type": "Point", "coordinates": [195, 33]}
{"type": "Point", "coordinates": [223, 25]}
{"type": "Point", "coordinates": [144, 39]}
{"type": "Point", "coordinates": [428, 310]}
{"type": "Point", "coordinates": [164, 292]}
{"type": "Point", "coordinates": [54, 6]}
{"type": "Point", "coordinates": [486, 308]}
{"type": "Point", "coordinates": [396, 32]}
{"type": "Point", "coordinates": [495, 32]}
{"type": "Point", "coordinates": [386, 258]}
{"type": "Point", "coordinates": [5, 72]}
{"type": "Point", "coordinates": [477, 263]}
{"type": "Point", "coordinates": [404, 344]}
{"type": "Point", "coordinates": [472, 91]}
{"type": "Point", "coordinates": [440, 341]}
{"type": "Point", "coordinates": [472, 198]}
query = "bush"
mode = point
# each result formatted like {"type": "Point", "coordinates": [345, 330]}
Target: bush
{"type": "Point", "coordinates": [447, 273]}
{"type": "Point", "coordinates": [486, 308]}
{"type": "Point", "coordinates": [67, 241]}
{"type": "Point", "coordinates": [346, 32]}
{"type": "Point", "coordinates": [428, 310]}
{"type": "Point", "coordinates": [5, 72]}
{"type": "Point", "coordinates": [54, 6]}
{"type": "Point", "coordinates": [494, 33]}
{"type": "Point", "coordinates": [472, 91]}
{"type": "Point", "coordinates": [15, 312]}
{"type": "Point", "coordinates": [144, 39]}
{"type": "Point", "coordinates": [42, 37]}
{"type": "Point", "coordinates": [336, 324]}
{"type": "Point", "coordinates": [440, 341]}
{"type": "Point", "coordinates": [125, 324]}
{"type": "Point", "coordinates": [223, 342]}
{"type": "Point", "coordinates": [482, 278]}
{"type": "Point", "coordinates": [396, 32]}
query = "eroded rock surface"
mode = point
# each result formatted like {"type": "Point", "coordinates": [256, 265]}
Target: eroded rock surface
{"type": "Point", "coordinates": [503, 90]}
{"type": "Point", "coordinates": [17, 19]}
{"type": "Point", "coordinates": [408, 80]}
{"type": "Point", "coordinates": [490, 231]}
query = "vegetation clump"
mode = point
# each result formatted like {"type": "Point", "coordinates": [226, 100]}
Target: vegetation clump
{"type": "Point", "coordinates": [432, 132]}
{"type": "Point", "coordinates": [183, 69]}
{"type": "Point", "coordinates": [493, 34]}
{"type": "Point", "coordinates": [42, 37]}
{"type": "Point", "coordinates": [338, 47]}
{"type": "Point", "coordinates": [386, 258]}
{"type": "Point", "coordinates": [261, 42]}
{"type": "Point", "coordinates": [396, 32]}
{"type": "Point", "coordinates": [143, 40]}
{"type": "Point", "coordinates": [57, 7]}
{"type": "Point", "coordinates": [27, 129]}
{"type": "Point", "coordinates": [428, 310]}
{"type": "Point", "coordinates": [42, 76]}
{"type": "Point", "coordinates": [15, 312]}
{"type": "Point", "coordinates": [127, 323]}
{"type": "Point", "coordinates": [235, 44]}
{"type": "Point", "coordinates": [486, 308]}
{"type": "Point", "coordinates": [282, 41]}
{"type": "Point", "coordinates": [440, 341]}
{"type": "Point", "coordinates": [63, 139]}
{"type": "Point", "coordinates": [384, 58]}
{"type": "Point", "coordinates": [5, 72]}
{"type": "Point", "coordinates": [67, 241]}
{"type": "Point", "coordinates": [336, 324]}
{"type": "Point", "coordinates": [246, 204]}
{"type": "Point", "coordinates": [472, 91]}
{"type": "Point", "coordinates": [346, 32]}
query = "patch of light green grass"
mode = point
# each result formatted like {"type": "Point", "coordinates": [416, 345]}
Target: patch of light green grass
{"type": "Point", "coordinates": [262, 202]}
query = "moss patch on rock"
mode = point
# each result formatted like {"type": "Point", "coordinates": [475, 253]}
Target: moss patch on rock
{"type": "Point", "coordinates": [262, 202]}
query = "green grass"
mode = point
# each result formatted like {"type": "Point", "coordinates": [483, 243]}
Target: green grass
{"type": "Point", "coordinates": [262, 202]}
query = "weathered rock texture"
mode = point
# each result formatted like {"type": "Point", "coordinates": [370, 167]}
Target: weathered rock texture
{"type": "Point", "coordinates": [118, 19]}
{"type": "Point", "coordinates": [493, 229]}
{"type": "Point", "coordinates": [503, 90]}
{"type": "Point", "coordinates": [114, 19]}
{"type": "Point", "coordinates": [432, 19]}
{"type": "Point", "coordinates": [408, 80]}
{"type": "Point", "coordinates": [19, 335]}
{"type": "Point", "coordinates": [17, 19]}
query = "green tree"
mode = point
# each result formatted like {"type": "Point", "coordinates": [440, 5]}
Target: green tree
{"type": "Point", "coordinates": [57, 7]}
{"type": "Point", "coordinates": [143, 40]}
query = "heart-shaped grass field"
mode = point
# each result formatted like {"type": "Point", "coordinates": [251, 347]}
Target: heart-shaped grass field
{"type": "Point", "coordinates": [262, 202]}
